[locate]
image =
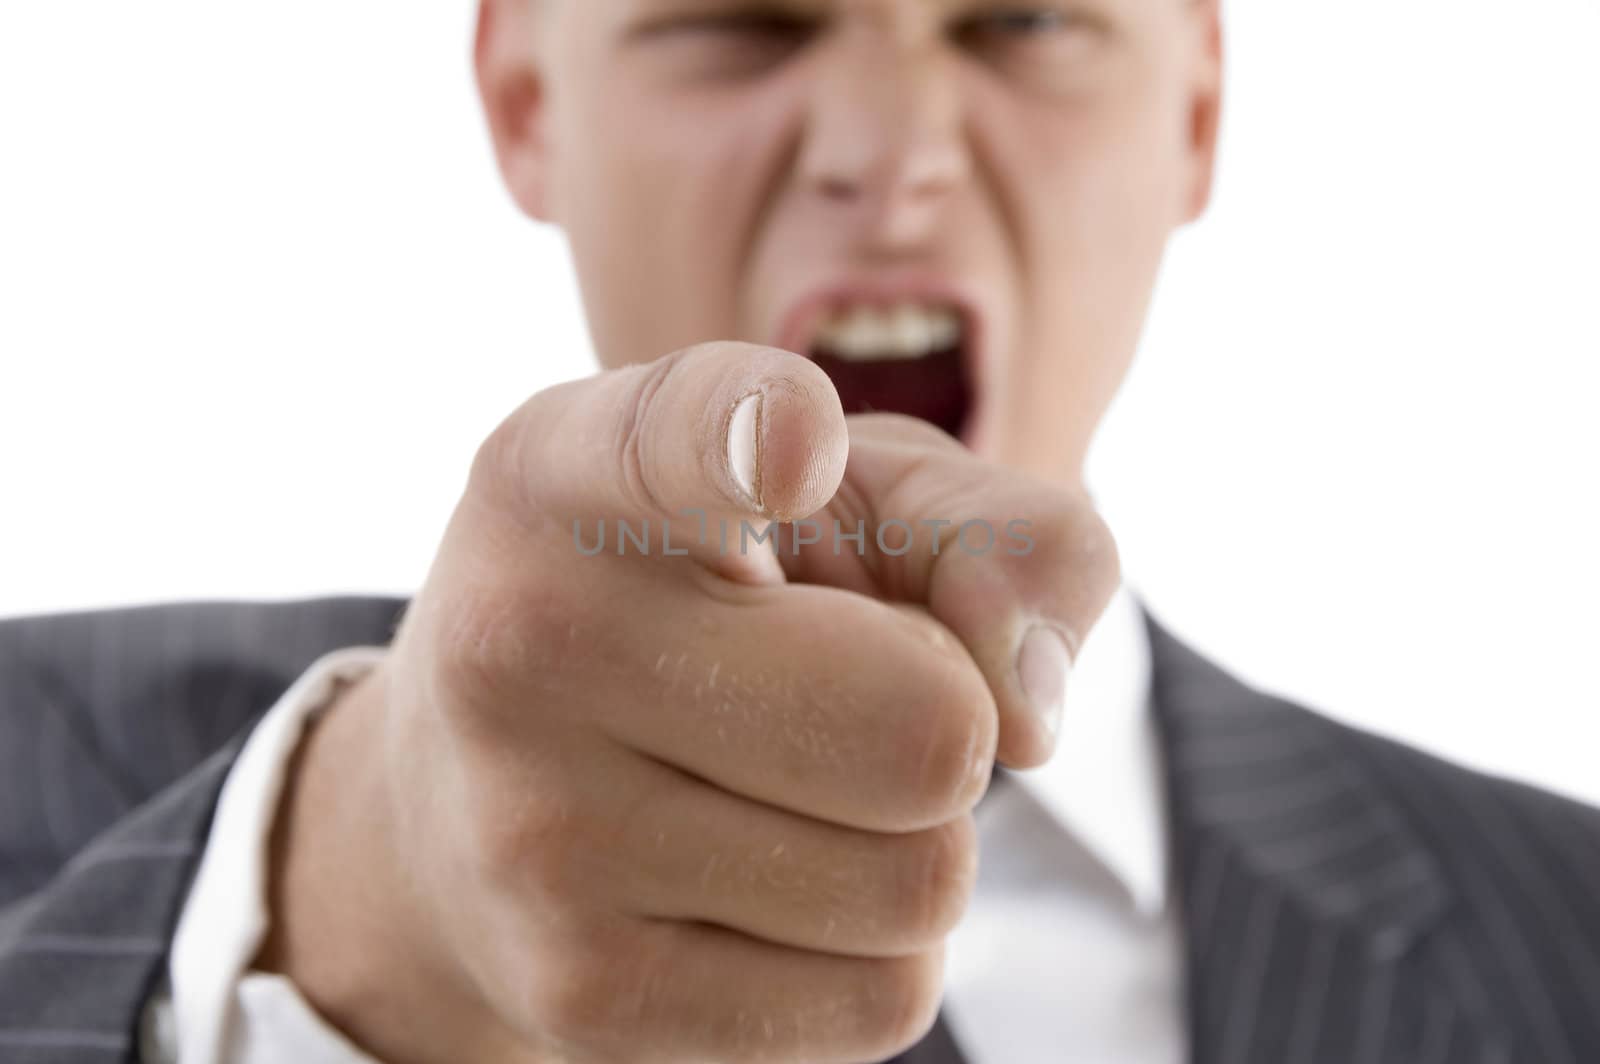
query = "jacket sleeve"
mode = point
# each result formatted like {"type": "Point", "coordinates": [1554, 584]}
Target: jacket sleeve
{"type": "Point", "coordinates": [100, 711]}
{"type": "Point", "coordinates": [117, 731]}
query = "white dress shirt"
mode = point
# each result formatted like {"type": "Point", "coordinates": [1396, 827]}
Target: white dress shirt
{"type": "Point", "coordinates": [1068, 952]}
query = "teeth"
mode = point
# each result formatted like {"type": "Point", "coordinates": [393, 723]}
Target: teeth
{"type": "Point", "coordinates": [902, 331]}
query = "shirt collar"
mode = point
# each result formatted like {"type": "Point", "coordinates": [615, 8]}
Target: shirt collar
{"type": "Point", "coordinates": [1103, 786]}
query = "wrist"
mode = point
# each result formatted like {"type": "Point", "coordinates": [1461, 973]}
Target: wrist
{"type": "Point", "coordinates": [347, 925]}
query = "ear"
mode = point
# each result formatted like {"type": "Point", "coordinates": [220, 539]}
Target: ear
{"type": "Point", "coordinates": [506, 55]}
{"type": "Point", "coordinates": [1205, 108]}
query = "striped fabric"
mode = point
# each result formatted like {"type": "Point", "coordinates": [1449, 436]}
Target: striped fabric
{"type": "Point", "coordinates": [1347, 900]}
{"type": "Point", "coordinates": [117, 729]}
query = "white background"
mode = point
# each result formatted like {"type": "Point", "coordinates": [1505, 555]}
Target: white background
{"type": "Point", "coordinates": [261, 294]}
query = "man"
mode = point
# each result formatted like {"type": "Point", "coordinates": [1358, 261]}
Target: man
{"type": "Point", "coordinates": [676, 797]}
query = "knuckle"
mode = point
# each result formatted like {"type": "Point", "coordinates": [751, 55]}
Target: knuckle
{"type": "Point", "coordinates": [632, 431]}
{"type": "Point", "coordinates": [505, 473]}
{"type": "Point", "coordinates": [1074, 562]}
{"type": "Point", "coordinates": [1079, 543]}
{"type": "Point", "coordinates": [531, 848]}
{"type": "Point", "coordinates": [500, 463]}
{"type": "Point", "coordinates": [956, 753]}
{"type": "Point", "coordinates": [1100, 549]}
{"type": "Point", "coordinates": [903, 1001]}
{"type": "Point", "coordinates": [936, 876]}
{"type": "Point", "coordinates": [623, 995]}
{"type": "Point", "coordinates": [487, 642]}
{"type": "Point", "coordinates": [585, 998]}
{"type": "Point", "coordinates": [500, 633]}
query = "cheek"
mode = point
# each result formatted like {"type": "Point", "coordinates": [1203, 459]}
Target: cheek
{"type": "Point", "coordinates": [659, 213]}
{"type": "Point", "coordinates": [1095, 183]}
{"type": "Point", "coordinates": [1106, 177]}
{"type": "Point", "coordinates": [1099, 186]}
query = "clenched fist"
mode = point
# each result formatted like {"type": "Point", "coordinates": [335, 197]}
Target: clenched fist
{"type": "Point", "coordinates": [693, 795]}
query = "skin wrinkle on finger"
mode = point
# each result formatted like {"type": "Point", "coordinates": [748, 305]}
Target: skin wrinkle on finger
{"type": "Point", "coordinates": [778, 861]}
{"type": "Point", "coordinates": [799, 711]}
{"type": "Point", "coordinates": [824, 897]}
{"type": "Point", "coordinates": [835, 891]}
{"type": "Point", "coordinates": [793, 879]}
{"type": "Point", "coordinates": [789, 702]}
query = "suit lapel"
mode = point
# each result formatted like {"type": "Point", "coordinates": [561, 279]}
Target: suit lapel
{"type": "Point", "coordinates": [1303, 889]}
{"type": "Point", "coordinates": [78, 960]}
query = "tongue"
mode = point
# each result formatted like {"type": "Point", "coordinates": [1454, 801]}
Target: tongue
{"type": "Point", "coordinates": [932, 388]}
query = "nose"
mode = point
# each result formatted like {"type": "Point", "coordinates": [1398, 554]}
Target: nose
{"type": "Point", "coordinates": [883, 136]}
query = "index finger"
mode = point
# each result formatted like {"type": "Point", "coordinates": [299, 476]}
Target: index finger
{"type": "Point", "coordinates": [1018, 568]}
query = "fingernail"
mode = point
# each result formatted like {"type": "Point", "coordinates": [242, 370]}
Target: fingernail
{"type": "Point", "coordinates": [743, 448]}
{"type": "Point", "coordinates": [1044, 662]}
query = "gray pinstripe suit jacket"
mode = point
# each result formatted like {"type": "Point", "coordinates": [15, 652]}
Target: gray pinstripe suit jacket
{"type": "Point", "coordinates": [1346, 899]}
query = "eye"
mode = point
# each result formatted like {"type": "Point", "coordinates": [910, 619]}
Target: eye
{"type": "Point", "coordinates": [756, 23]}
{"type": "Point", "coordinates": [1022, 24]}
{"type": "Point", "coordinates": [738, 42]}
{"type": "Point", "coordinates": [1024, 21]}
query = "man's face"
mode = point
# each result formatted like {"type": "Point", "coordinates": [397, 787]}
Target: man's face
{"type": "Point", "coordinates": [958, 207]}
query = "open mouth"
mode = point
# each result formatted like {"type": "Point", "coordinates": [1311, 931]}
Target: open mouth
{"type": "Point", "coordinates": [908, 357]}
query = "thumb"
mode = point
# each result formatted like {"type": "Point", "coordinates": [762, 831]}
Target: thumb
{"type": "Point", "coordinates": [711, 434]}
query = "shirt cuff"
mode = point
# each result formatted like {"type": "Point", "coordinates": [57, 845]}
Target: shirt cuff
{"type": "Point", "coordinates": [224, 917]}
